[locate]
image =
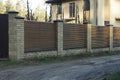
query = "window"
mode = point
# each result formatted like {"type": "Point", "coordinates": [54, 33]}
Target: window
{"type": "Point", "coordinates": [72, 9]}
{"type": "Point", "coordinates": [86, 5]}
{"type": "Point", "coordinates": [59, 8]}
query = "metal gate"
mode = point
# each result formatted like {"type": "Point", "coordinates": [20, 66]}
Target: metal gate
{"type": "Point", "coordinates": [3, 36]}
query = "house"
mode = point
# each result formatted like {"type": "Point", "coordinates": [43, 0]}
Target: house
{"type": "Point", "coordinates": [97, 12]}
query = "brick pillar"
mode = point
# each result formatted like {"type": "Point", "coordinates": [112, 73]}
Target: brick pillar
{"type": "Point", "coordinates": [14, 25]}
{"type": "Point", "coordinates": [89, 47]}
{"type": "Point", "coordinates": [20, 37]}
{"type": "Point", "coordinates": [59, 24]}
{"type": "Point", "coordinates": [111, 38]}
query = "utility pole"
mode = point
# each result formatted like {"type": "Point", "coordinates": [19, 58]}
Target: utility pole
{"type": "Point", "coordinates": [50, 17]}
{"type": "Point", "coordinates": [96, 12]}
{"type": "Point", "coordinates": [46, 14]}
{"type": "Point", "coordinates": [28, 10]}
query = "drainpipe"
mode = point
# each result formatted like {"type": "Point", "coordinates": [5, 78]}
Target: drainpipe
{"type": "Point", "coordinates": [96, 12]}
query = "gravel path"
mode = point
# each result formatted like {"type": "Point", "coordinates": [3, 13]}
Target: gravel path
{"type": "Point", "coordinates": [87, 69]}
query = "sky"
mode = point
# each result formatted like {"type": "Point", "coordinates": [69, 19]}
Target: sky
{"type": "Point", "coordinates": [34, 3]}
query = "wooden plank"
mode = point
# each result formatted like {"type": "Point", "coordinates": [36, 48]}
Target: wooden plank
{"type": "Point", "coordinates": [40, 36]}
{"type": "Point", "coordinates": [100, 37]}
{"type": "Point", "coordinates": [74, 36]}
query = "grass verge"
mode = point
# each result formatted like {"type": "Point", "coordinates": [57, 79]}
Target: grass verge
{"type": "Point", "coordinates": [115, 76]}
{"type": "Point", "coordinates": [48, 60]}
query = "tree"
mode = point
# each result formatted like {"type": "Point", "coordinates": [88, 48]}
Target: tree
{"type": "Point", "coordinates": [28, 10]}
{"type": "Point", "coordinates": [21, 8]}
{"type": "Point", "coordinates": [9, 6]}
{"type": "Point", "coordinates": [39, 14]}
{"type": "Point", "coordinates": [50, 17]}
{"type": "Point", "coordinates": [2, 8]}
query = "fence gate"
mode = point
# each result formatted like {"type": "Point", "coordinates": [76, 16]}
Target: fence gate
{"type": "Point", "coordinates": [3, 36]}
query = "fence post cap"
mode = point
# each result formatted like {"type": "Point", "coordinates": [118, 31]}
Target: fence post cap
{"type": "Point", "coordinates": [19, 17]}
{"type": "Point", "coordinates": [58, 21]}
{"type": "Point", "coordinates": [13, 12]}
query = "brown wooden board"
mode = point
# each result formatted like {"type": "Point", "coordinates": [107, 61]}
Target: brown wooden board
{"type": "Point", "coordinates": [116, 36]}
{"type": "Point", "coordinates": [75, 36]}
{"type": "Point", "coordinates": [100, 36]}
{"type": "Point", "coordinates": [40, 36]}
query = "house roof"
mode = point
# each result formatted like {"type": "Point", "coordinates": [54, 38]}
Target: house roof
{"type": "Point", "coordinates": [56, 1]}
{"type": "Point", "coordinates": [53, 1]}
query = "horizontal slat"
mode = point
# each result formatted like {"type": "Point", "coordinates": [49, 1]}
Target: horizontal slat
{"type": "Point", "coordinates": [40, 36]}
{"type": "Point", "coordinates": [74, 36]}
{"type": "Point", "coordinates": [100, 37]}
{"type": "Point", "coordinates": [116, 36]}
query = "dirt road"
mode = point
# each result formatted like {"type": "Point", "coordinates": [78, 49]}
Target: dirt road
{"type": "Point", "coordinates": [87, 69]}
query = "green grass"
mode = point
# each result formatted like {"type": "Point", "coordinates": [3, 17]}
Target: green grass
{"type": "Point", "coordinates": [10, 63]}
{"type": "Point", "coordinates": [48, 60]}
{"type": "Point", "coordinates": [115, 76]}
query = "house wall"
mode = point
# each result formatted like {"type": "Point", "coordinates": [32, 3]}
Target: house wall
{"type": "Point", "coordinates": [97, 16]}
{"type": "Point", "coordinates": [100, 11]}
{"type": "Point", "coordinates": [93, 14]}
{"type": "Point", "coordinates": [65, 10]}
{"type": "Point", "coordinates": [100, 16]}
{"type": "Point", "coordinates": [114, 12]}
{"type": "Point", "coordinates": [54, 12]}
{"type": "Point", "coordinates": [107, 10]}
{"type": "Point", "coordinates": [80, 4]}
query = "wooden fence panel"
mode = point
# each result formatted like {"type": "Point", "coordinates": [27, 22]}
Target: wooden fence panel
{"type": "Point", "coordinates": [40, 36]}
{"type": "Point", "coordinates": [116, 36]}
{"type": "Point", "coordinates": [75, 36]}
{"type": "Point", "coordinates": [100, 36]}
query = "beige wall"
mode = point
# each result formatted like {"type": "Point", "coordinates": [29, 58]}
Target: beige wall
{"type": "Point", "coordinates": [93, 11]}
{"type": "Point", "coordinates": [65, 8]}
{"type": "Point", "coordinates": [114, 12]}
{"type": "Point", "coordinates": [106, 10]}
{"type": "Point", "coordinates": [97, 8]}
{"type": "Point", "coordinates": [100, 14]}
{"type": "Point", "coordinates": [54, 12]}
{"type": "Point", "coordinates": [80, 4]}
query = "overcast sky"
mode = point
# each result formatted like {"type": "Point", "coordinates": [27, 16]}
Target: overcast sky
{"type": "Point", "coordinates": [34, 3]}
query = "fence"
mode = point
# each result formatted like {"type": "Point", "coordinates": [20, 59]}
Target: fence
{"type": "Point", "coordinates": [40, 36]}
{"type": "Point", "coordinates": [100, 37]}
{"type": "Point", "coordinates": [40, 39]}
{"type": "Point", "coordinates": [74, 36]}
{"type": "Point", "coordinates": [116, 36]}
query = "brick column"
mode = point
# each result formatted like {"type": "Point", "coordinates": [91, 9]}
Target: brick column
{"type": "Point", "coordinates": [14, 25]}
{"type": "Point", "coordinates": [89, 47]}
{"type": "Point", "coordinates": [59, 24]}
{"type": "Point", "coordinates": [111, 38]}
{"type": "Point", "coordinates": [12, 34]}
{"type": "Point", "coordinates": [20, 37]}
